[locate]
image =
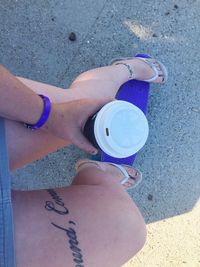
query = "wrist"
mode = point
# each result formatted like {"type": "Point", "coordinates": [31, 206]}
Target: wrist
{"type": "Point", "coordinates": [44, 115]}
{"type": "Point", "coordinates": [50, 123]}
{"type": "Point", "coordinates": [37, 112]}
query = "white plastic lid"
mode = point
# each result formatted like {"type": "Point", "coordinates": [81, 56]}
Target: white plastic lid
{"type": "Point", "coordinates": [121, 129]}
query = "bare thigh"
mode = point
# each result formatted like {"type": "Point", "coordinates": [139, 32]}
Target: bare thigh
{"type": "Point", "coordinates": [82, 225]}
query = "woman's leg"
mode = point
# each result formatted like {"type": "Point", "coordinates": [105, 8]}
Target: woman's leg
{"type": "Point", "coordinates": [92, 223]}
{"type": "Point", "coordinates": [26, 146]}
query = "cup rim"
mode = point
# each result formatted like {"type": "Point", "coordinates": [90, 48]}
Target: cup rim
{"type": "Point", "coordinates": [106, 143]}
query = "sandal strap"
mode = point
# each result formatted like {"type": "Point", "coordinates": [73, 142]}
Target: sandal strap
{"type": "Point", "coordinates": [146, 60]}
{"type": "Point", "coordinates": [152, 66]}
{"type": "Point", "coordinates": [126, 177]}
{"type": "Point", "coordinates": [123, 170]}
{"type": "Point", "coordinates": [149, 62]}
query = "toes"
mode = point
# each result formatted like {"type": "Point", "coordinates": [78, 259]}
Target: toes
{"type": "Point", "coordinates": [161, 77]}
{"type": "Point", "coordinates": [129, 184]}
{"type": "Point", "coordinates": [132, 172]}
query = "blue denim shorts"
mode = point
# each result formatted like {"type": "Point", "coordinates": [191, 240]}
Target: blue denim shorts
{"type": "Point", "coordinates": [7, 252]}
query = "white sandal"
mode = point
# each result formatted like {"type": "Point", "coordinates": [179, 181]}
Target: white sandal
{"type": "Point", "coordinates": [149, 62]}
{"type": "Point", "coordinates": [126, 181]}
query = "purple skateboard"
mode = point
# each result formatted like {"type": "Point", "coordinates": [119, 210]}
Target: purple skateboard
{"type": "Point", "coordinates": [137, 93]}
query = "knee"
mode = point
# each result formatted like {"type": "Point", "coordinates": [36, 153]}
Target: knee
{"type": "Point", "coordinates": [130, 228]}
{"type": "Point", "coordinates": [141, 235]}
{"type": "Point", "coordinates": [135, 235]}
{"type": "Point", "coordinates": [133, 238]}
{"type": "Point", "coordinates": [127, 234]}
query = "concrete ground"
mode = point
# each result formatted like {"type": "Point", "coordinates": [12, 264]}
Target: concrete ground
{"type": "Point", "coordinates": [34, 43]}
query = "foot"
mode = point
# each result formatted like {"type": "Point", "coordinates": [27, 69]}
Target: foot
{"type": "Point", "coordinates": [134, 175]}
{"type": "Point", "coordinates": [143, 71]}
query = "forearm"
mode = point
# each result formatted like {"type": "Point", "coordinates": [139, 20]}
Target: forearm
{"type": "Point", "coordinates": [17, 101]}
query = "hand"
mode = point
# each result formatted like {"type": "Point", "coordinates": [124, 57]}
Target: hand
{"type": "Point", "coordinates": [68, 119]}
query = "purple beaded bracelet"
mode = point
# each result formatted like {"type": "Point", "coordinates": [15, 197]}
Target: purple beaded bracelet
{"type": "Point", "coordinates": [45, 114]}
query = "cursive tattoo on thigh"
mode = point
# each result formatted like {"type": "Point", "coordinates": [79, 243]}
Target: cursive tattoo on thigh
{"type": "Point", "coordinates": [73, 242]}
{"type": "Point", "coordinates": [58, 206]}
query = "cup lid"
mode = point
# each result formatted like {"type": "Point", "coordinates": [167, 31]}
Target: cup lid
{"type": "Point", "coordinates": [121, 129]}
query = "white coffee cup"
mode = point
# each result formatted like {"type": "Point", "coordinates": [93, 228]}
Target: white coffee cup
{"type": "Point", "coordinates": [120, 129]}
